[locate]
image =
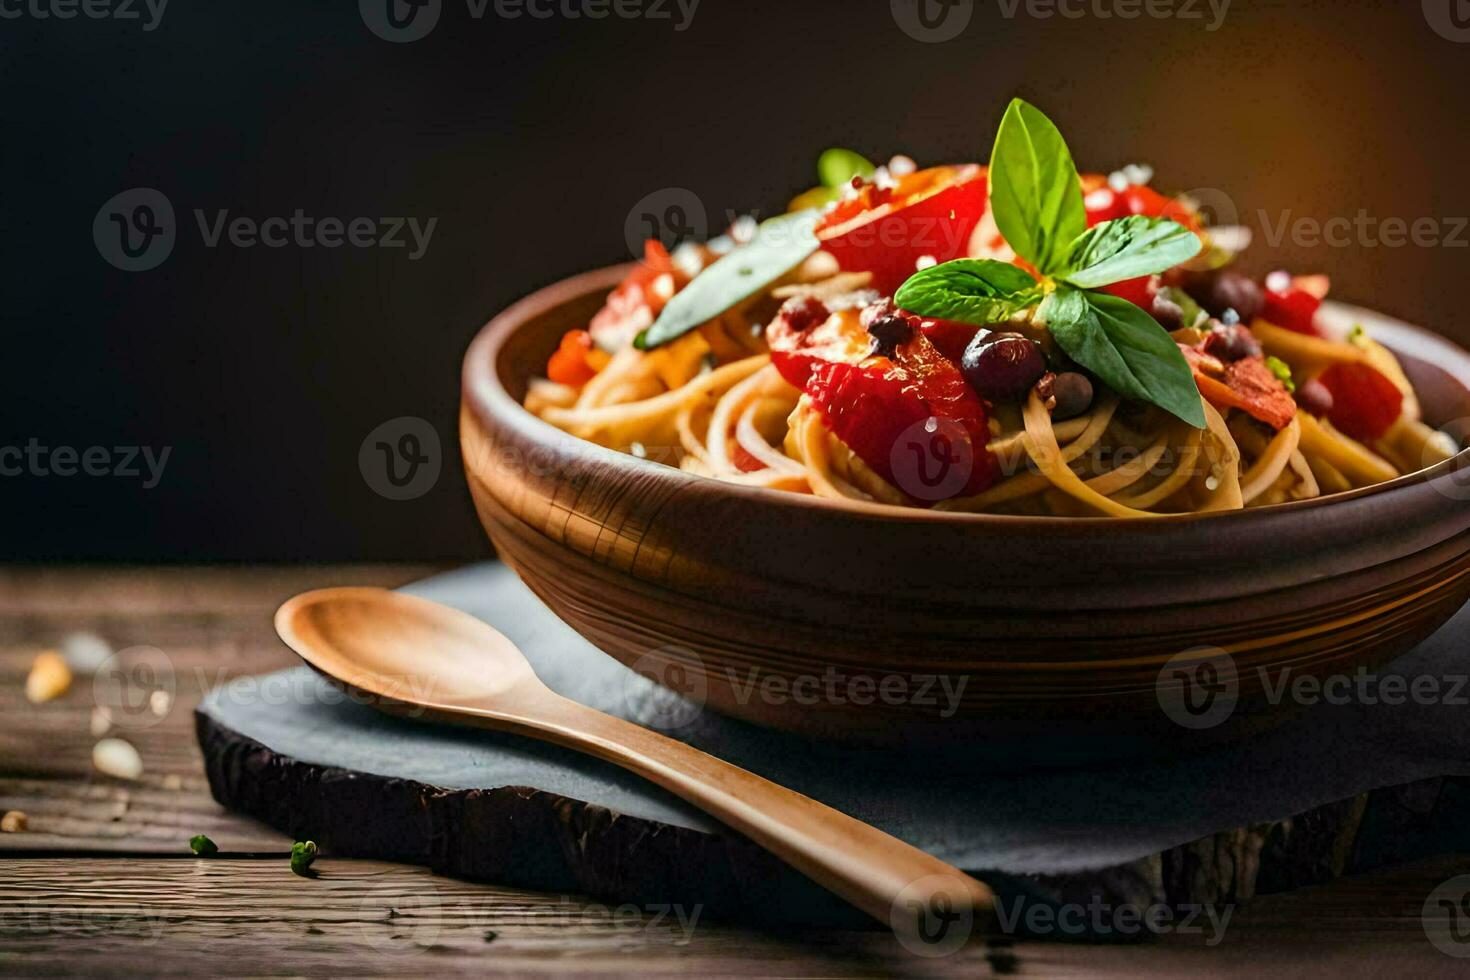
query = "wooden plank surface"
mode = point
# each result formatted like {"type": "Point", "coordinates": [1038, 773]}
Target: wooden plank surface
{"type": "Point", "coordinates": [102, 882]}
{"type": "Point", "coordinates": [159, 917]}
{"type": "Point", "coordinates": [209, 624]}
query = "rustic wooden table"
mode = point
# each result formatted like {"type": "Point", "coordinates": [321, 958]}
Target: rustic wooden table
{"type": "Point", "coordinates": [102, 881]}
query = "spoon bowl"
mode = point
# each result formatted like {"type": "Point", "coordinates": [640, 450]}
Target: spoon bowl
{"type": "Point", "coordinates": [417, 657]}
{"type": "Point", "coordinates": [356, 635]}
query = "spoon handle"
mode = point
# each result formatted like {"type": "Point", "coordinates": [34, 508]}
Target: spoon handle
{"type": "Point", "coordinates": [915, 893]}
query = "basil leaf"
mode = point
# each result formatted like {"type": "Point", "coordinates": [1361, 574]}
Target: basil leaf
{"type": "Point", "coordinates": [1034, 189]}
{"type": "Point", "coordinates": [1128, 248]}
{"type": "Point", "coordinates": [837, 167]}
{"type": "Point", "coordinates": [978, 291]}
{"type": "Point", "coordinates": [780, 245]}
{"type": "Point", "coordinates": [1126, 348]}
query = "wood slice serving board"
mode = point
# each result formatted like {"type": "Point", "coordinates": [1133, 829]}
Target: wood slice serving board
{"type": "Point", "coordinates": [1343, 788]}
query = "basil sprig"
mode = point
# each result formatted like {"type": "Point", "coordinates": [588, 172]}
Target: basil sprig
{"type": "Point", "coordinates": [1124, 346]}
{"type": "Point", "coordinates": [969, 290]}
{"type": "Point", "coordinates": [1128, 248]}
{"type": "Point", "coordinates": [780, 245]}
{"type": "Point", "coordinates": [1036, 199]}
{"type": "Point", "coordinates": [1034, 190]}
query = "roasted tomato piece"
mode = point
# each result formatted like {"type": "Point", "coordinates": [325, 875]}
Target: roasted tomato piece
{"type": "Point", "coordinates": [1246, 384]}
{"type": "Point", "coordinates": [570, 364]}
{"type": "Point", "coordinates": [949, 337]}
{"type": "Point", "coordinates": [804, 335]}
{"type": "Point", "coordinates": [1105, 204]}
{"type": "Point", "coordinates": [1292, 303]}
{"type": "Point", "coordinates": [1140, 292]}
{"type": "Point", "coordinates": [887, 230]}
{"type": "Point", "coordinates": [911, 418]}
{"type": "Point", "coordinates": [638, 299]}
{"type": "Point", "coordinates": [1364, 401]}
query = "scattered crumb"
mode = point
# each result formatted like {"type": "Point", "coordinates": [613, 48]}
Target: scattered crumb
{"type": "Point", "coordinates": [14, 822]}
{"type": "Point", "coordinates": [85, 652]}
{"type": "Point", "coordinates": [114, 757]}
{"type": "Point", "coordinates": [173, 781]}
{"type": "Point", "coordinates": [1001, 956]}
{"type": "Point", "coordinates": [49, 677]}
{"type": "Point", "coordinates": [101, 721]}
{"type": "Point", "coordinates": [159, 702]}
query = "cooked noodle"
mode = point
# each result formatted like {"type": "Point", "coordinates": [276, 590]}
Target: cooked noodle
{"type": "Point", "coordinates": [714, 403]}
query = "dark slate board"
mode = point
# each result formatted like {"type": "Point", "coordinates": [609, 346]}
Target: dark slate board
{"type": "Point", "coordinates": [1341, 789]}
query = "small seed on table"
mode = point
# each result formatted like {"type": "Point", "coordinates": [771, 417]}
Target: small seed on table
{"type": "Point", "coordinates": [49, 677]}
{"type": "Point", "coordinates": [114, 757]}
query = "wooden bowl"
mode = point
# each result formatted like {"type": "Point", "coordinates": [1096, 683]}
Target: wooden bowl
{"type": "Point", "coordinates": [794, 612]}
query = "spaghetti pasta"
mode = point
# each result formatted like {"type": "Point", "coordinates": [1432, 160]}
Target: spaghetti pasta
{"type": "Point", "coordinates": [816, 381]}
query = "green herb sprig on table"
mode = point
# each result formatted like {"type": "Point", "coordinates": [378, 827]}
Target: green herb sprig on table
{"type": "Point", "coordinates": [203, 846]}
{"type": "Point", "coordinates": [1036, 198]}
{"type": "Point", "coordinates": [303, 853]}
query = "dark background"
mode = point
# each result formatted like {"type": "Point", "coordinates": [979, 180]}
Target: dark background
{"type": "Point", "coordinates": [531, 141]}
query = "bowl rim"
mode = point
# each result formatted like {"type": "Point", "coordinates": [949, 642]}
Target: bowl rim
{"type": "Point", "coordinates": [482, 390]}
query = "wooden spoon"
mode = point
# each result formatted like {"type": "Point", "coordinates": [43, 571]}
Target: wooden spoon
{"type": "Point", "coordinates": [419, 658]}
